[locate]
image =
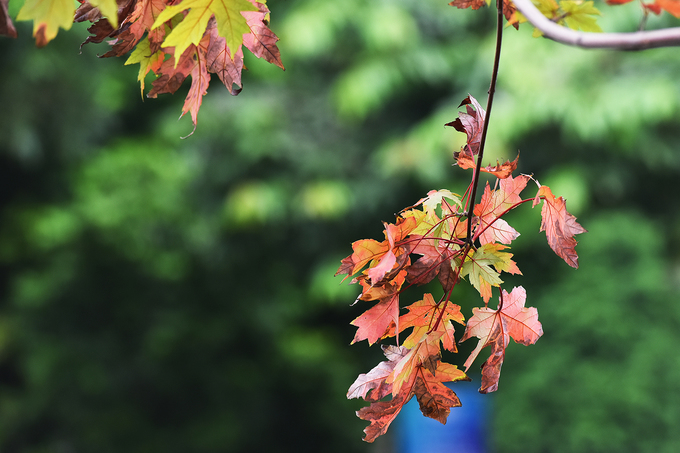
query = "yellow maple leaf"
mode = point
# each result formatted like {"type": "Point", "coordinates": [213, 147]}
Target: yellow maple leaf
{"type": "Point", "coordinates": [579, 15]}
{"type": "Point", "coordinates": [147, 61]}
{"type": "Point", "coordinates": [47, 16]}
{"type": "Point", "coordinates": [231, 25]}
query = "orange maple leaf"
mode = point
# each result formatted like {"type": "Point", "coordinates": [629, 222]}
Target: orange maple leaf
{"type": "Point", "coordinates": [436, 399]}
{"type": "Point", "coordinates": [424, 315]}
{"type": "Point", "coordinates": [672, 6]}
{"type": "Point", "coordinates": [559, 226]}
{"type": "Point", "coordinates": [384, 254]}
{"type": "Point", "coordinates": [500, 171]}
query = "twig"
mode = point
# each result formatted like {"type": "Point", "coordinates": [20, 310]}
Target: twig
{"type": "Point", "coordinates": [639, 40]}
{"type": "Point", "coordinates": [489, 104]}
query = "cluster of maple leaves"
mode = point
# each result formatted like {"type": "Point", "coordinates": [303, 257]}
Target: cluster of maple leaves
{"type": "Point", "coordinates": [437, 238]}
{"type": "Point", "coordinates": [174, 39]}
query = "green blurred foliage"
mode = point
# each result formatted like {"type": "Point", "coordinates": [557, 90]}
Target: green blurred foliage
{"type": "Point", "coordinates": [175, 295]}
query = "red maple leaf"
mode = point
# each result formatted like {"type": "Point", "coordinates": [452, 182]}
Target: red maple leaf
{"type": "Point", "coordinates": [434, 262]}
{"type": "Point", "coordinates": [470, 123]}
{"type": "Point", "coordinates": [559, 226]}
{"type": "Point", "coordinates": [171, 76]}
{"type": "Point", "coordinates": [261, 41]}
{"type": "Point", "coordinates": [101, 28]}
{"type": "Point", "coordinates": [494, 328]}
{"type": "Point", "coordinates": [219, 60]}
{"type": "Point", "coordinates": [376, 322]}
{"type": "Point", "coordinates": [200, 79]}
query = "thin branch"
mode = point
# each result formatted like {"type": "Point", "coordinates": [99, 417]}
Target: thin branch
{"type": "Point", "coordinates": [489, 104]}
{"type": "Point", "coordinates": [639, 40]}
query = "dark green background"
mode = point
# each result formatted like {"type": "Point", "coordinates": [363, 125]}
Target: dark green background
{"type": "Point", "coordinates": [159, 294]}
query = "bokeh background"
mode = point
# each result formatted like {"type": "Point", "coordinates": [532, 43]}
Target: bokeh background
{"type": "Point", "coordinates": [159, 294]}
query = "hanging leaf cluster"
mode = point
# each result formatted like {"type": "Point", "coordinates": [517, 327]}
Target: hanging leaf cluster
{"type": "Point", "coordinates": [173, 39]}
{"type": "Point", "coordinates": [437, 239]}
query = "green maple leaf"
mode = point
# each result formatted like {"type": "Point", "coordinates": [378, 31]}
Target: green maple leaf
{"type": "Point", "coordinates": [231, 25]}
{"type": "Point", "coordinates": [479, 267]}
{"type": "Point", "coordinates": [147, 61]}
{"type": "Point", "coordinates": [579, 15]}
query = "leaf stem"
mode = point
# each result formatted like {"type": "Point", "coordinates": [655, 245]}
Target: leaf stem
{"type": "Point", "coordinates": [489, 104]}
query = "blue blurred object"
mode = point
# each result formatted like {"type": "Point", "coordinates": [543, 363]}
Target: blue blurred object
{"type": "Point", "coordinates": [464, 432]}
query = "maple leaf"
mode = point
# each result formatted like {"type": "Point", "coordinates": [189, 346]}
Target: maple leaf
{"type": "Point", "coordinates": [6, 25]}
{"type": "Point", "coordinates": [382, 413]}
{"type": "Point", "coordinates": [672, 6]}
{"type": "Point", "coordinates": [108, 9]}
{"type": "Point", "coordinates": [200, 79]}
{"type": "Point", "coordinates": [261, 41]}
{"type": "Point", "coordinates": [148, 60]}
{"type": "Point", "coordinates": [133, 26]}
{"type": "Point", "coordinates": [142, 19]}
{"type": "Point", "coordinates": [559, 225]}
{"type": "Point", "coordinates": [374, 380]}
{"type": "Point", "coordinates": [424, 314]}
{"type": "Point", "coordinates": [473, 4]}
{"type": "Point", "coordinates": [500, 171]}
{"type": "Point", "coordinates": [424, 354]}
{"type": "Point", "coordinates": [494, 328]}
{"type": "Point", "coordinates": [578, 15]}
{"type": "Point", "coordinates": [231, 24]}
{"type": "Point", "coordinates": [434, 398]}
{"type": "Point", "coordinates": [472, 124]}
{"type": "Point", "coordinates": [375, 323]}
{"type": "Point", "coordinates": [220, 61]}
{"type": "Point", "coordinates": [493, 205]}
{"type": "Point", "coordinates": [428, 222]}
{"type": "Point", "coordinates": [435, 198]}
{"type": "Point", "coordinates": [483, 276]}
{"type": "Point", "coordinates": [384, 254]}
{"type": "Point", "coordinates": [171, 74]}
{"type": "Point", "coordinates": [47, 16]}
{"type": "Point", "coordinates": [434, 262]}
